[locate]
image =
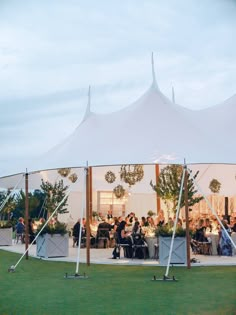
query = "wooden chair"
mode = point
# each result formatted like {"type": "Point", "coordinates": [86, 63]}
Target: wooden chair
{"type": "Point", "coordinates": [103, 235]}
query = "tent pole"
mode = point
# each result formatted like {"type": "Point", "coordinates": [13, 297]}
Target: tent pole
{"type": "Point", "coordinates": [157, 171]}
{"type": "Point", "coordinates": [186, 216]}
{"type": "Point", "coordinates": [26, 214]}
{"type": "Point", "coordinates": [81, 217]}
{"type": "Point", "coordinates": [87, 216]}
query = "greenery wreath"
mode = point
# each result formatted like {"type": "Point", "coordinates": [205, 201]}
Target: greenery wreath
{"type": "Point", "coordinates": [119, 191]}
{"type": "Point", "coordinates": [110, 177]}
{"type": "Point", "coordinates": [215, 186]}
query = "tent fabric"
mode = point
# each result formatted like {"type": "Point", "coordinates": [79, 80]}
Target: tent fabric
{"type": "Point", "coordinates": [151, 130]}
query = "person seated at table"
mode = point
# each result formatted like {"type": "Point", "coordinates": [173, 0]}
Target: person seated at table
{"type": "Point", "coordinates": [124, 238]}
{"type": "Point", "coordinates": [137, 228]}
{"type": "Point", "coordinates": [160, 218]}
{"type": "Point", "coordinates": [200, 235]}
{"type": "Point", "coordinates": [208, 225]}
{"type": "Point", "coordinates": [31, 230]}
{"type": "Point", "coordinates": [144, 221]}
{"type": "Point", "coordinates": [20, 230]}
{"type": "Point", "coordinates": [76, 233]}
{"type": "Point", "coordinates": [104, 229]}
{"type": "Point", "coordinates": [233, 224]}
{"type": "Point", "coordinates": [137, 238]}
{"type": "Point", "coordinates": [109, 215]}
{"type": "Point", "coordinates": [225, 247]}
{"type": "Point", "coordinates": [151, 222]}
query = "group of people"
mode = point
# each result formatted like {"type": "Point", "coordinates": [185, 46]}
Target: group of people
{"type": "Point", "coordinates": [205, 226]}
{"type": "Point", "coordinates": [20, 230]}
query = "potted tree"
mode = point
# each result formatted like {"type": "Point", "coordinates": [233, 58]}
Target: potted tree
{"type": "Point", "coordinates": [164, 235]}
{"type": "Point", "coordinates": [6, 227]}
{"type": "Point", "coordinates": [53, 240]}
{"type": "Point", "coordinates": [6, 234]}
{"type": "Point", "coordinates": [168, 188]}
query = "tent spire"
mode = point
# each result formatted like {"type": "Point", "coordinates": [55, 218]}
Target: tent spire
{"type": "Point", "coordinates": [154, 82]}
{"type": "Point", "coordinates": [87, 113]}
{"type": "Point", "coordinates": [173, 95]}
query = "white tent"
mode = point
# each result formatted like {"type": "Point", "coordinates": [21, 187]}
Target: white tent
{"type": "Point", "coordinates": [151, 130]}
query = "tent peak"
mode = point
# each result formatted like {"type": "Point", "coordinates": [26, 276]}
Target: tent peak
{"type": "Point", "coordinates": [154, 81]}
{"type": "Point", "coordinates": [88, 111]}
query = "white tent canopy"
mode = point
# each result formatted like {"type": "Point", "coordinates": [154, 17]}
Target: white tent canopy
{"type": "Point", "coordinates": [151, 130]}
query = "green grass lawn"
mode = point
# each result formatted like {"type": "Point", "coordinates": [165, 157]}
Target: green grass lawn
{"type": "Point", "coordinates": [39, 287]}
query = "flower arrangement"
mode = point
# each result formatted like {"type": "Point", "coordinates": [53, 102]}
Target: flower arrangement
{"type": "Point", "coordinates": [53, 228]}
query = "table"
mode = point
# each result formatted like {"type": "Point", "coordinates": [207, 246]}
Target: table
{"type": "Point", "coordinates": [151, 241]}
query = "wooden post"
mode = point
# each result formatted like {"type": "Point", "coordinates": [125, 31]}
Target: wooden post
{"type": "Point", "coordinates": [26, 214]}
{"type": "Point", "coordinates": [186, 218]}
{"type": "Point", "coordinates": [90, 193]}
{"type": "Point", "coordinates": [157, 169]}
{"type": "Point", "coordinates": [87, 216]}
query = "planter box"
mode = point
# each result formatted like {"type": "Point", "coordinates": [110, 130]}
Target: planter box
{"type": "Point", "coordinates": [6, 237]}
{"type": "Point", "coordinates": [55, 245]}
{"type": "Point", "coordinates": [179, 255]}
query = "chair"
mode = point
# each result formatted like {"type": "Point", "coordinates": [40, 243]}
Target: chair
{"type": "Point", "coordinates": [201, 248]}
{"type": "Point", "coordinates": [156, 251]}
{"type": "Point", "coordinates": [20, 237]}
{"type": "Point", "coordinates": [119, 245]}
{"type": "Point", "coordinates": [103, 235]}
{"type": "Point", "coordinates": [139, 247]}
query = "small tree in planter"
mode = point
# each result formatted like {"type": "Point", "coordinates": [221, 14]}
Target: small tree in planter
{"type": "Point", "coordinates": [53, 240]}
{"type": "Point", "coordinates": [54, 193]}
{"type": "Point", "coordinates": [168, 187]}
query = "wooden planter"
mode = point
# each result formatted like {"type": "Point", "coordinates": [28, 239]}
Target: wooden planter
{"type": "Point", "coordinates": [179, 255]}
{"type": "Point", "coordinates": [6, 237]}
{"type": "Point", "coordinates": [54, 245]}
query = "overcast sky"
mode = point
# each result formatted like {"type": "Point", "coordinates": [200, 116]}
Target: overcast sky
{"type": "Point", "coordinates": [52, 50]}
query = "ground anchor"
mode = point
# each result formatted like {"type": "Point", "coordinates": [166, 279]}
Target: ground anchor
{"type": "Point", "coordinates": [76, 276]}
{"type": "Point", "coordinates": [165, 278]}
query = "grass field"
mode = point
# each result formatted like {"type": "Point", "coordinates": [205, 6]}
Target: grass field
{"type": "Point", "coordinates": [39, 287]}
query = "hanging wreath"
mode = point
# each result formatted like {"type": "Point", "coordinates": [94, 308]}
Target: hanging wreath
{"type": "Point", "coordinates": [131, 174]}
{"type": "Point", "coordinates": [110, 177]}
{"type": "Point", "coordinates": [64, 172]}
{"type": "Point", "coordinates": [73, 177]}
{"type": "Point", "coordinates": [119, 191]}
{"type": "Point", "coordinates": [215, 186]}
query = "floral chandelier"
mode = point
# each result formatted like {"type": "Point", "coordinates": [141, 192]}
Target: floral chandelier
{"type": "Point", "coordinates": [119, 191]}
{"type": "Point", "coordinates": [131, 174]}
{"type": "Point", "coordinates": [110, 177]}
{"type": "Point", "coordinates": [64, 172]}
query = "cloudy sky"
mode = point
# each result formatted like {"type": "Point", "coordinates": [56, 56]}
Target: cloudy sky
{"type": "Point", "coordinates": [51, 51]}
